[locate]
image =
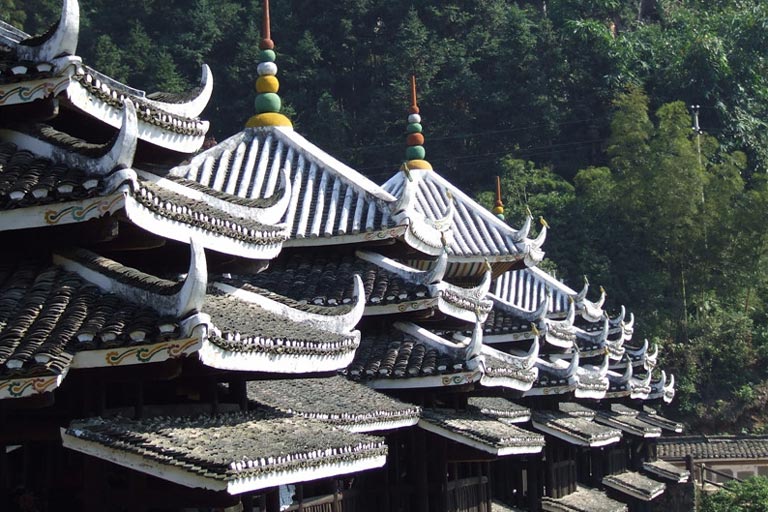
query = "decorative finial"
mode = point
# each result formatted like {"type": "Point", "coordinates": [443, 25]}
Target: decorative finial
{"type": "Point", "coordinates": [544, 222]}
{"type": "Point", "coordinates": [414, 153]}
{"type": "Point", "coordinates": [268, 103]}
{"type": "Point", "coordinates": [498, 209]}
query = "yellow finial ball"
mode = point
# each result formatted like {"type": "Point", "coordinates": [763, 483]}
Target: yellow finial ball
{"type": "Point", "coordinates": [267, 83]}
{"type": "Point", "coordinates": [498, 210]}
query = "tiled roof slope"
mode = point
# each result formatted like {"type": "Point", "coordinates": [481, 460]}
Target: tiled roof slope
{"type": "Point", "coordinates": [326, 280]}
{"type": "Point", "coordinates": [394, 354]}
{"type": "Point", "coordinates": [47, 314]}
{"type": "Point", "coordinates": [243, 327]}
{"type": "Point", "coordinates": [500, 408]}
{"type": "Point", "coordinates": [236, 452]}
{"type": "Point", "coordinates": [329, 199]}
{"type": "Point", "coordinates": [28, 180]}
{"type": "Point", "coordinates": [476, 232]}
{"type": "Point", "coordinates": [480, 431]}
{"type": "Point", "coordinates": [583, 500]}
{"type": "Point", "coordinates": [635, 485]}
{"type": "Point", "coordinates": [335, 400]}
{"type": "Point", "coordinates": [713, 447]}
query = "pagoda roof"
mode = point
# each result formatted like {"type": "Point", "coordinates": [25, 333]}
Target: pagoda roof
{"type": "Point", "coordinates": [502, 409]}
{"type": "Point", "coordinates": [510, 371]}
{"type": "Point", "coordinates": [481, 432]}
{"type": "Point", "coordinates": [331, 203]}
{"type": "Point", "coordinates": [663, 388]}
{"type": "Point", "coordinates": [61, 315]}
{"type": "Point", "coordinates": [251, 451]}
{"type": "Point", "coordinates": [389, 286]}
{"type": "Point", "coordinates": [400, 358]}
{"type": "Point", "coordinates": [507, 323]}
{"type": "Point", "coordinates": [635, 485]}
{"type": "Point", "coordinates": [628, 423]}
{"type": "Point", "coordinates": [649, 415]}
{"type": "Point", "coordinates": [242, 332]}
{"type": "Point", "coordinates": [248, 337]}
{"type": "Point", "coordinates": [472, 233]}
{"type": "Point", "coordinates": [583, 500]}
{"type": "Point", "coordinates": [667, 471]}
{"type": "Point", "coordinates": [575, 430]}
{"type": "Point", "coordinates": [45, 182]}
{"type": "Point", "coordinates": [34, 68]}
{"type": "Point", "coordinates": [555, 377]}
{"type": "Point", "coordinates": [576, 410]}
{"type": "Point", "coordinates": [337, 401]}
{"type": "Point", "coordinates": [527, 288]}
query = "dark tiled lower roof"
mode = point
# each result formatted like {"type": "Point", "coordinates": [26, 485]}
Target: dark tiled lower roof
{"type": "Point", "coordinates": [344, 308]}
{"type": "Point", "coordinates": [663, 469]}
{"type": "Point", "coordinates": [499, 408]}
{"type": "Point", "coordinates": [504, 322]}
{"type": "Point", "coordinates": [228, 447]}
{"type": "Point", "coordinates": [333, 400]}
{"type": "Point", "coordinates": [47, 314]}
{"type": "Point", "coordinates": [26, 180]}
{"type": "Point", "coordinates": [122, 274]}
{"type": "Point", "coordinates": [245, 327]}
{"type": "Point", "coordinates": [482, 429]}
{"type": "Point", "coordinates": [713, 447]}
{"type": "Point", "coordinates": [634, 484]}
{"type": "Point", "coordinates": [583, 500]}
{"type": "Point", "coordinates": [326, 280]}
{"type": "Point", "coordinates": [579, 429]}
{"type": "Point", "coordinates": [649, 415]}
{"type": "Point", "coordinates": [629, 424]}
{"type": "Point", "coordinates": [394, 354]}
{"type": "Point", "coordinates": [574, 409]}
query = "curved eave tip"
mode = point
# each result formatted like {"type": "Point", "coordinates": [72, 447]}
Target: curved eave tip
{"type": "Point", "coordinates": [418, 164]}
{"type": "Point", "coordinates": [268, 119]}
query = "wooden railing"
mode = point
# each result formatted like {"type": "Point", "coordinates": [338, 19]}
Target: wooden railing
{"type": "Point", "coordinates": [704, 471]}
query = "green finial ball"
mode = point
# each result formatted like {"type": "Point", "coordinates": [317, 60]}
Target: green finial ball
{"type": "Point", "coordinates": [414, 128]}
{"type": "Point", "coordinates": [415, 153]}
{"type": "Point", "coordinates": [267, 56]}
{"type": "Point", "coordinates": [268, 102]}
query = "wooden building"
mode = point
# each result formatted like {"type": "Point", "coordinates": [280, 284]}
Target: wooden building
{"type": "Point", "coordinates": [257, 326]}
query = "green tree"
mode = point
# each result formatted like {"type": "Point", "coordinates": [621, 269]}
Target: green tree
{"type": "Point", "coordinates": [751, 495]}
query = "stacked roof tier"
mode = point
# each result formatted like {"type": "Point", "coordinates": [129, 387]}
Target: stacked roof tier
{"type": "Point", "coordinates": [46, 68]}
{"type": "Point", "coordinates": [251, 451]}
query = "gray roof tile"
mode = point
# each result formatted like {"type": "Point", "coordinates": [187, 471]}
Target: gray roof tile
{"type": "Point", "coordinates": [713, 447]}
{"type": "Point", "coordinates": [334, 400]}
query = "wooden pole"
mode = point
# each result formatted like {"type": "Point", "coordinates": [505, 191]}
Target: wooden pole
{"type": "Point", "coordinates": [265, 28]}
{"type": "Point", "coordinates": [414, 103]}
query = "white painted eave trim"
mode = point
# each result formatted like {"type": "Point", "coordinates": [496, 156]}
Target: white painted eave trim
{"type": "Point", "coordinates": [575, 440]}
{"type": "Point", "coordinates": [236, 485]}
{"type": "Point", "coordinates": [432, 381]}
{"type": "Point", "coordinates": [466, 441]}
{"type": "Point", "coordinates": [380, 426]}
{"type": "Point", "coordinates": [630, 492]}
{"type": "Point", "coordinates": [216, 357]}
{"type": "Point", "coordinates": [193, 108]}
{"type": "Point", "coordinates": [62, 42]}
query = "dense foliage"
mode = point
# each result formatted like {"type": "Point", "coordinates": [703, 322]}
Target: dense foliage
{"type": "Point", "coordinates": [582, 107]}
{"type": "Point", "coordinates": [751, 495]}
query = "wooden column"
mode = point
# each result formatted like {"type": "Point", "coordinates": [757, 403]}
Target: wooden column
{"type": "Point", "coordinates": [138, 404]}
{"type": "Point", "coordinates": [534, 487]}
{"type": "Point", "coordinates": [419, 441]}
